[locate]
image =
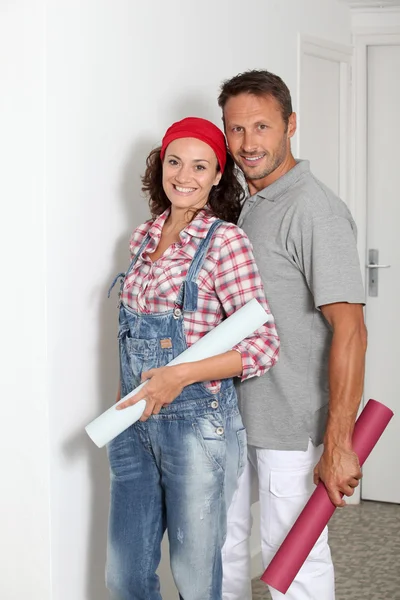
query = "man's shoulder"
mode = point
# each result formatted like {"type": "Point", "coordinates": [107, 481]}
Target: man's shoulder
{"type": "Point", "coordinates": [313, 199]}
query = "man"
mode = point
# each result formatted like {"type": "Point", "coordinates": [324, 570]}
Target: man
{"type": "Point", "coordinates": [300, 417]}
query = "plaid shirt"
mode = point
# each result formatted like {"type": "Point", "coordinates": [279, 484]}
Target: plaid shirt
{"type": "Point", "coordinates": [227, 280]}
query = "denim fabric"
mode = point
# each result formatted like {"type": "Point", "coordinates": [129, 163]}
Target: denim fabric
{"type": "Point", "coordinates": [176, 471]}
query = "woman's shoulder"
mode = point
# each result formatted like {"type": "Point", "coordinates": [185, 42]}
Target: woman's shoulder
{"type": "Point", "coordinates": [230, 231]}
{"type": "Point", "coordinates": [202, 223]}
{"type": "Point", "coordinates": [206, 218]}
{"type": "Point", "coordinates": [139, 233]}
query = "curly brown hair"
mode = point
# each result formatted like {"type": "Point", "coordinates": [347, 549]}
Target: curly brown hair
{"type": "Point", "coordinates": [224, 200]}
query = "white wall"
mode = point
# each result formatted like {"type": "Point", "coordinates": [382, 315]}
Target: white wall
{"type": "Point", "coordinates": [24, 489]}
{"type": "Point", "coordinates": [118, 73]}
{"type": "Point", "coordinates": [376, 20]}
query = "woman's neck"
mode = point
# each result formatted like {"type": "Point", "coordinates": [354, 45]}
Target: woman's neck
{"type": "Point", "coordinates": [177, 220]}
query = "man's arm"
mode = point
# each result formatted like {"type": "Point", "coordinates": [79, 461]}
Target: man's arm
{"type": "Point", "coordinates": [339, 467]}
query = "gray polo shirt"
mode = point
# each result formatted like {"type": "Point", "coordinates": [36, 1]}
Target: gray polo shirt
{"type": "Point", "coordinates": [304, 241]}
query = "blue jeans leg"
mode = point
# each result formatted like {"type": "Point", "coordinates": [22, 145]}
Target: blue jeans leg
{"type": "Point", "coordinates": [193, 466]}
{"type": "Point", "coordinates": [137, 519]}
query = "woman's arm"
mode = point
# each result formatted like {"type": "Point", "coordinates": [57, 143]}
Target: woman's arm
{"type": "Point", "coordinates": [222, 366]}
{"type": "Point", "coordinates": [237, 281]}
{"type": "Point", "coordinates": [166, 383]}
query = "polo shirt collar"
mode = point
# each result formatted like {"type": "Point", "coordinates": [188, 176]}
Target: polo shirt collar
{"type": "Point", "coordinates": [275, 190]}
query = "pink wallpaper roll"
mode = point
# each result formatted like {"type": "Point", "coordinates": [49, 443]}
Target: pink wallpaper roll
{"type": "Point", "coordinates": [305, 532]}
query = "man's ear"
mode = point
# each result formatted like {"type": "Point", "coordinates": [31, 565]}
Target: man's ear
{"type": "Point", "coordinates": [292, 125]}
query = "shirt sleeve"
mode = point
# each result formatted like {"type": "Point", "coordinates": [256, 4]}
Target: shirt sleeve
{"type": "Point", "coordinates": [238, 281]}
{"type": "Point", "coordinates": [330, 261]}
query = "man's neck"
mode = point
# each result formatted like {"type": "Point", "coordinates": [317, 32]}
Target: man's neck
{"type": "Point", "coordinates": [256, 185]}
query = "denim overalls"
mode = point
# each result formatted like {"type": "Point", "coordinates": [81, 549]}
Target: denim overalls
{"type": "Point", "coordinates": [178, 470]}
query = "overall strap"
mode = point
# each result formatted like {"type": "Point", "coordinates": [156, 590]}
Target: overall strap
{"type": "Point", "coordinates": [123, 276]}
{"type": "Point", "coordinates": [187, 297]}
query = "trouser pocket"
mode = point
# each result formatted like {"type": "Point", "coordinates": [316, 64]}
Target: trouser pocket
{"type": "Point", "coordinates": [289, 492]}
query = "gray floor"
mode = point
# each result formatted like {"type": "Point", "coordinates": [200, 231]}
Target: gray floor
{"type": "Point", "coordinates": [365, 544]}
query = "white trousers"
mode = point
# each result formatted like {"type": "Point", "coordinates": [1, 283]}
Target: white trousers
{"type": "Point", "coordinates": [285, 482]}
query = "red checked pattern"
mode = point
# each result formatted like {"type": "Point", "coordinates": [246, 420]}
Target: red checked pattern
{"type": "Point", "coordinates": [228, 279]}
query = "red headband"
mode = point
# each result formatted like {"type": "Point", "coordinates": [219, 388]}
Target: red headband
{"type": "Point", "coordinates": [201, 129]}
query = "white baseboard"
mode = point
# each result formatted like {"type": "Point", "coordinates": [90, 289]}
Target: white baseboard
{"type": "Point", "coordinates": [355, 498]}
{"type": "Point", "coordinates": [256, 563]}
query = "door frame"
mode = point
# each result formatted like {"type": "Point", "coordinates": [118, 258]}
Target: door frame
{"type": "Point", "coordinates": [382, 36]}
{"type": "Point", "coordinates": [362, 40]}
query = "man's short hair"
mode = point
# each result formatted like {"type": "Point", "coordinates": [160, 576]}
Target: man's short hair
{"type": "Point", "coordinates": [258, 83]}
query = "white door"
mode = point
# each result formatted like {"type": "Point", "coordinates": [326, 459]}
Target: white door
{"type": "Point", "coordinates": [325, 90]}
{"type": "Point", "coordinates": [381, 479]}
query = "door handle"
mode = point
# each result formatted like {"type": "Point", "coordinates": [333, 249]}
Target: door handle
{"type": "Point", "coordinates": [373, 266]}
{"type": "Point", "coordinates": [378, 266]}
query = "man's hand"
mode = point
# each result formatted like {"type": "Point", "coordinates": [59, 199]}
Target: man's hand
{"type": "Point", "coordinates": [339, 469]}
{"type": "Point", "coordinates": [164, 385]}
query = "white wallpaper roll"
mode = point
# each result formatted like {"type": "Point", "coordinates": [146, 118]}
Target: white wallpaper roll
{"type": "Point", "coordinates": [223, 338]}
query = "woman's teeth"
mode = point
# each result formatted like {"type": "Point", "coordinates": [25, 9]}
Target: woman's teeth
{"type": "Point", "coordinates": [184, 190]}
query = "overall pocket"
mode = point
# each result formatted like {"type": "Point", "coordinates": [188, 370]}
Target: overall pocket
{"type": "Point", "coordinates": [123, 456]}
{"type": "Point", "coordinates": [210, 432]}
{"type": "Point", "coordinates": [138, 355]}
{"type": "Point", "coordinates": [242, 444]}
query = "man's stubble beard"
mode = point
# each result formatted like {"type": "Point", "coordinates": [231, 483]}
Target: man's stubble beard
{"type": "Point", "coordinates": [279, 157]}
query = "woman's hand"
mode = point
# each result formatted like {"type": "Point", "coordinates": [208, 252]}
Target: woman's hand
{"type": "Point", "coordinates": [164, 385]}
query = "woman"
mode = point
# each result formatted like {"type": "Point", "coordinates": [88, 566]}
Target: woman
{"type": "Point", "coordinates": [177, 468]}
